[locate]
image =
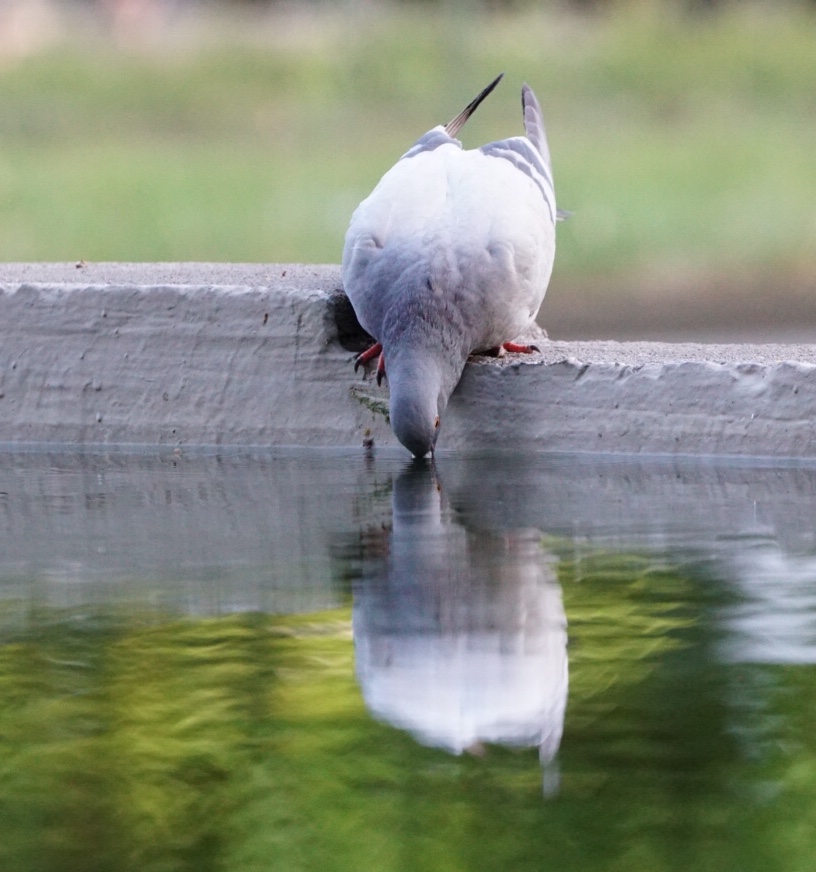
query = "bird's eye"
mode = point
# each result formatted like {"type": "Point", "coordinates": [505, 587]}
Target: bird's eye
{"type": "Point", "coordinates": [436, 423]}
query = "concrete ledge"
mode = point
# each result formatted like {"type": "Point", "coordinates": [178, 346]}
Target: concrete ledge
{"type": "Point", "coordinates": [186, 354]}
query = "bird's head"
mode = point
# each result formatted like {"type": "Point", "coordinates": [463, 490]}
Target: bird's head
{"type": "Point", "coordinates": [415, 427]}
{"type": "Point", "coordinates": [419, 395]}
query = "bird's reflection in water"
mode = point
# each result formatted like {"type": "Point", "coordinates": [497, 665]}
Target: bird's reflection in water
{"type": "Point", "coordinates": [461, 636]}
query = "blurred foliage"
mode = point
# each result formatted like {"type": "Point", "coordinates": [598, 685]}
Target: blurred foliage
{"type": "Point", "coordinates": [682, 142]}
{"type": "Point", "coordinates": [133, 740]}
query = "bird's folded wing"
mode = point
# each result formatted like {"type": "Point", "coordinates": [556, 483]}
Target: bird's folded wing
{"type": "Point", "coordinates": [534, 125]}
{"type": "Point", "coordinates": [431, 141]}
{"type": "Point", "coordinates": [521, 153]}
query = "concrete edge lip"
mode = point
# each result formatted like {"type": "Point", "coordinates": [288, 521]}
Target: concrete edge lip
{"type": "Point", "coordinates": [260, 355]}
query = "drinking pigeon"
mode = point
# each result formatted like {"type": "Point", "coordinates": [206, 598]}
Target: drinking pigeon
{"type": "Point", "coordinates": [451, 255]}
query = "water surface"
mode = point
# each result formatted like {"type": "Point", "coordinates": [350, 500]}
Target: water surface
{"type": "Point", "coordinates": [323, 660]}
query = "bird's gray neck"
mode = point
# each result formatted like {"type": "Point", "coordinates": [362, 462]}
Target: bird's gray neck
{"type": "Point", "coordinates": [426, 327]}
{"type": "Point", "coordinates": [427, 323]}
{"type": "Point", "coordinates": [426, 345]}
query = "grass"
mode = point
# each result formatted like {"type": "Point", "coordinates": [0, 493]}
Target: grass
{"type": "Point", "coordinates": [683, 144]}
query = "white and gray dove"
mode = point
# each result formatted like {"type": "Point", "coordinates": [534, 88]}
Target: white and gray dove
{"type": "Point", "coordinates": [451, 255]}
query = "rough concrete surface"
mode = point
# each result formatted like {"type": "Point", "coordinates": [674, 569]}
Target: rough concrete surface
{"type": "Point", "coordinates": [254, 354]}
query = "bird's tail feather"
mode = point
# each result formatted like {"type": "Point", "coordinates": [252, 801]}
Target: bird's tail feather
{"type": "Point", "coordinates": [456, 124]}
{"type": "Point", "coordinates": [534, 123]}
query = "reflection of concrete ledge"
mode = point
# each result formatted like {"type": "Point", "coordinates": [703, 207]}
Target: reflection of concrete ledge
{"type": "Point", "coordinates": [261, 355]}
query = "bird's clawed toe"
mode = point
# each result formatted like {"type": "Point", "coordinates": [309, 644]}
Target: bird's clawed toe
{"type": "Point", "coordinates": [367, 356]}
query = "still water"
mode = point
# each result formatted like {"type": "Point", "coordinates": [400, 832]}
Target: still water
{"type": "Point", "coordinates": [322, 660]}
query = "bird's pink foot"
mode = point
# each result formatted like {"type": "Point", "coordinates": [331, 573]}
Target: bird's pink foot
{"type": "Point", "coordinates": [514, 347]}
{"type": "Point", "coordinates": [520, 349]}
{"type": "Point", "coordinates": [367, 356]}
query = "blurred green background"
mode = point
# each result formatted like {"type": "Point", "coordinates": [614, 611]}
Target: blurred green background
{"type": "Point", "coordinates": [683, 137]}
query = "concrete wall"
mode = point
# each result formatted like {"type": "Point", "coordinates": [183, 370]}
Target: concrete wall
{"type": "Point", "coordinates": [185, 354]}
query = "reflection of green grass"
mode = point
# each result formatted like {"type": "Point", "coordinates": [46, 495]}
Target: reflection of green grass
{"type": "Point", "coordinates": [137, 741]}
{"type": "Point", "coordinates": [681, 144]}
